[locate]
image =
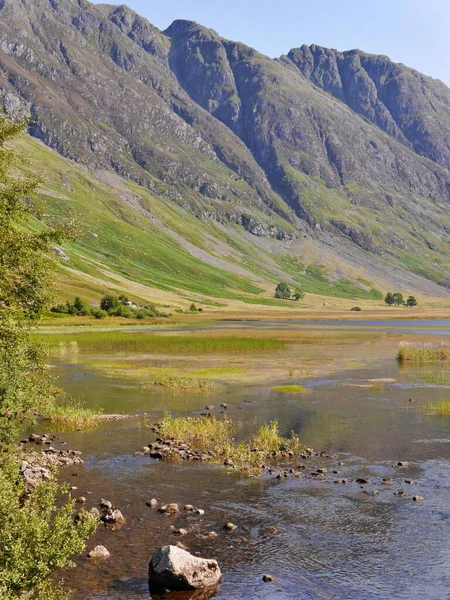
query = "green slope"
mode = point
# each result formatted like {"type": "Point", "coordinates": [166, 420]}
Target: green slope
{"type": "Point", "coordinates": [128, 233]}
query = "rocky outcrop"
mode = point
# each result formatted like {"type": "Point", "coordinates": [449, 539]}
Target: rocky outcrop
{"type": "Point", "coordinates": [409, 106]}
{"type": "Point", "coordinates": [175, 569]}
{"type": "Point", "coordinates": [334, 145]}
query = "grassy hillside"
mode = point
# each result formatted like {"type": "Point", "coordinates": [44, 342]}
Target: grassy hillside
{"type": "Point", "coordinates": [148, 246]}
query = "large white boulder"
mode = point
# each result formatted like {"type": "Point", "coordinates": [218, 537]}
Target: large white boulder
{"type": "Point", "coordinates": [175, 569]}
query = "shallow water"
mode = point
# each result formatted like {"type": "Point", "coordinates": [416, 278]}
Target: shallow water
{"type": "Point", "coordinates": [334, 541]}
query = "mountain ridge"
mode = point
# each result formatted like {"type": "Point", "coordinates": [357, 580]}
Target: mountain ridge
{"type": "Point", "coordinates": [303, 145]}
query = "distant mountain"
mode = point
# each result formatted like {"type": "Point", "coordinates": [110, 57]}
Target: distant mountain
{"type": "Point", "coordinates": [318, 157]}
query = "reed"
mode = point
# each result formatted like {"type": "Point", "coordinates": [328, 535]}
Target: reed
{"type": "Point", "coordinates": [424, 352]}
{"type": "Point", "coordinates": [441, 408]}
{"type": "Point", "coordinates": [217, 438]}
{"type": "Point", "coordinates": [71, 417]}
{"type": "Point", "coordinates": [148, 343]}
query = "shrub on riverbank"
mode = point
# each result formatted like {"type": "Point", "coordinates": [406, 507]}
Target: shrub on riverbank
{"type": "Point", "coordinates": [37, 530]}
{"type": "Point", "coordinates": [424, 352]}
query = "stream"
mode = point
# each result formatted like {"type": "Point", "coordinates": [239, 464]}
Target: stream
{"type": "Point", "coordinates": [320, 539]}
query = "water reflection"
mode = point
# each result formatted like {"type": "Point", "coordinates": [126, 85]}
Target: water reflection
{"type": "Point", "coordinates": [319, 539]}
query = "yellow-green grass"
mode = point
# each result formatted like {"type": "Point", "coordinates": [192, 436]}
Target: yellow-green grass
{"type": "Point", "coordinates": [217, 437]}
{"type": "Point", "coordinates": [289, 389]}
{"type": "Point", "coordinates": [216, 372]}
{"type": "Point", "coordinates": [147, 343]}
{"type": "Point", "coordinates": [441, 407]}
{"type": "Point", "coordinates": [146, 376]}
{"type": "Point", "coordinates": [72, 416]}
{"type": "Point", "coordinates": [424, 352]}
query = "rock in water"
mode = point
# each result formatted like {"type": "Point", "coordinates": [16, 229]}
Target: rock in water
{"type": "Point", "coordinates": [99, 552]}
{"type": "Point", "coordinates": [176, 569]}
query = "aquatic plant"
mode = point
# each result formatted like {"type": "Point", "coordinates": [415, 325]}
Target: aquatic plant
{"type": "Point", "coordinates": [289, 389]}
{"type": "Point", "coordinates": [216, 438]}
{"type": "Point", "coordinates": [424, 352]}
{"type": "Point", "coordinates": [72, 416]}
{"type": "Point", "coordinates": [148, 343]}
{"type": "Point", "coordinates": [441, 407]}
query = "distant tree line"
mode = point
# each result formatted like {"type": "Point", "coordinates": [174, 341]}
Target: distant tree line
{"type": "Point", "coordinates": [396, 298]}
{"type": "Point", "coordinates": [110, 305]}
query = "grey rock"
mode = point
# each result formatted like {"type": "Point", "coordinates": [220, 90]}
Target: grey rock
{"type": "Point", "coordinates": [177, 569]}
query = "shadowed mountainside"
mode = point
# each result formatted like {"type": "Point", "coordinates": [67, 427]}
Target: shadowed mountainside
{"type": "Point", "coordinates": [342, 158]}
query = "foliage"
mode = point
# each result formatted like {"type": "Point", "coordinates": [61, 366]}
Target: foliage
{"type": "Point", "coordinates": [282, 291]}
{"type": "Point", "coordinates": [411, 301]}
{"type": "Point", "coordinates": [398, 298]}
{"type": "Point", "coordinates": [35, 535]}
{"type": "Point", "coordinates": [299, 294]}
{"type": "Point", "coordinates": [25, 274]}
{"type": "Point", "coordinates": [110, 305]}
{"type": "Point", "coordinates": [36, 538]}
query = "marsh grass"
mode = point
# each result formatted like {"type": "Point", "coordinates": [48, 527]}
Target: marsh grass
{"type": "Point", "coordinates": [289, 389]}
{"type": "Point", "coordinates": [147, 377]}
{"type": "Point", "coordinates": [430, 378]}
{"type": "Point", "coordinates": [424, 352]}
{"type": "Point", "coordinates": [217, 437]}
{"type": "Point", "coordinates": [71, 417]}
{"type": "Point", "coordinates": [148, 343]}
{"type": "Point", "coordinates": [441, 408]}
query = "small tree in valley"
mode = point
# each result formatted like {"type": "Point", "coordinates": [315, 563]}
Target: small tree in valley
{"type": "Point", "coordinates": [282, 291]}
{"type": "Point", "coordinates": [411, 301]}
{"type": "Point", "coordinates": [299, 294]}
{"type": "Point", "coordinates": [398, 298]}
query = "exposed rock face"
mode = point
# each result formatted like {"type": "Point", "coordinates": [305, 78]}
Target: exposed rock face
{"type": "Point", "coordinates": [232, 135]}
{"type": "Point", "coordinates": [176, 569]}
{"type": "Point", "coordinates": [411, 107]}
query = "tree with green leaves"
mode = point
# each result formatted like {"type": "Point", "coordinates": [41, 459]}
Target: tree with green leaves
{"type": "Point", "coordinates": [282, 291]}
{"type": "Point", "coordinates": [389, 300]}
{"type": "Point", "coordinates": [109, 303]}
{"type": "Point", "coordinates": [37, 530]}
{"type": "Point", "coordinates": [398, 298]}
{"type": "Point", "coordinates": [411, 301]}
{"type": "Point", "coordinates": [299, 294]}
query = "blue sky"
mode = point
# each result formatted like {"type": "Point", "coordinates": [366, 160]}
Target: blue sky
{"type": "Point", "coordinates": [415, 32]}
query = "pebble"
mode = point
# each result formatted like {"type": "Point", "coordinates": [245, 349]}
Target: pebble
{"type": "Point", "coordinates": [417, 498]}
{"type": "Point", "coordinates": [268, 578]}
{"type": "Point", "coordinates": [81, 500]}
{"type": "Point", "coordinates": [153, 503]}
{"type": "Point", "coordinates": [230, 527]}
